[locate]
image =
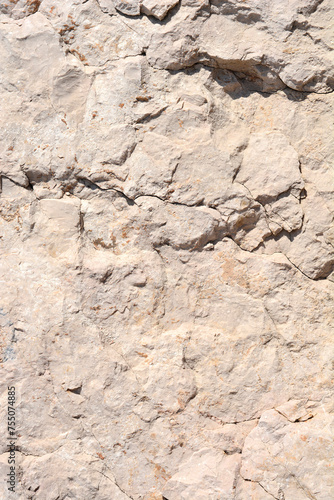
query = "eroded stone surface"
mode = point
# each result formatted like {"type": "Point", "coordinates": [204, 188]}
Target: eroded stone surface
{"type": "Point", "coordinates": [292, 450]}
{"type": "Point", "coordinates": [166, 233]}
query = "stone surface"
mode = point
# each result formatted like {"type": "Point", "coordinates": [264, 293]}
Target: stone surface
{"type": "Point", "coordinates": [167, 262]}
{"type": "Point", "coordinates": [157, 8]}
{"type": "Point", "coordinates": [286, 457]}
{"type": "Point", "coordinates": [204, 468]}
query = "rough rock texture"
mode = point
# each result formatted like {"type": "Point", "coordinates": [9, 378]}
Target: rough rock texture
{"type": "Point", "coordinates": [166, 232]}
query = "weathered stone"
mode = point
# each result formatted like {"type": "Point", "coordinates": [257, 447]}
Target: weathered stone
{"type": "Point", "coordinates": [20, 8]}
{"type": "Point", "coordinates": [270, 167]}
{"type": "Point", "coordinates": [203, 468]}
{"type": "Point", "coordinates": [166, 234]}
{"type": "Point", "coordinates": [130, 8]}
{"type": "Point", "coordinates": [157, 8]}
{"type": "Point", "coordinates": [293, 450]}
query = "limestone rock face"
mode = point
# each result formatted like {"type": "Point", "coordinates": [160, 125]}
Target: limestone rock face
{"type": "Point", "coordinates": [166, 234]}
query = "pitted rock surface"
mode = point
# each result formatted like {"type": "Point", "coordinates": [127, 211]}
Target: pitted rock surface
{"type": "Point", "coordinates": [166, 233]}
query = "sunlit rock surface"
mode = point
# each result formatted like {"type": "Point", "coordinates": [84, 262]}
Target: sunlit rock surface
{"type": "Point", "coordinates": [166, 233]}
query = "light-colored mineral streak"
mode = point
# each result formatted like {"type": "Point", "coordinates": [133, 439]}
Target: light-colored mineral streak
{"type": "Point", "coordinates": [166, 232]}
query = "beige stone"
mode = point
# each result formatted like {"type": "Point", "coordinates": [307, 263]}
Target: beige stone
{"type": "Point", "coordinates": [166, 237]}
{"type": "Point", "coordinates": [157, 8]}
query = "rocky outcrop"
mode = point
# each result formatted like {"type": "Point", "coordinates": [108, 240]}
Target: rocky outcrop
{"type": "Point", "coordinates": [166, 231]}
